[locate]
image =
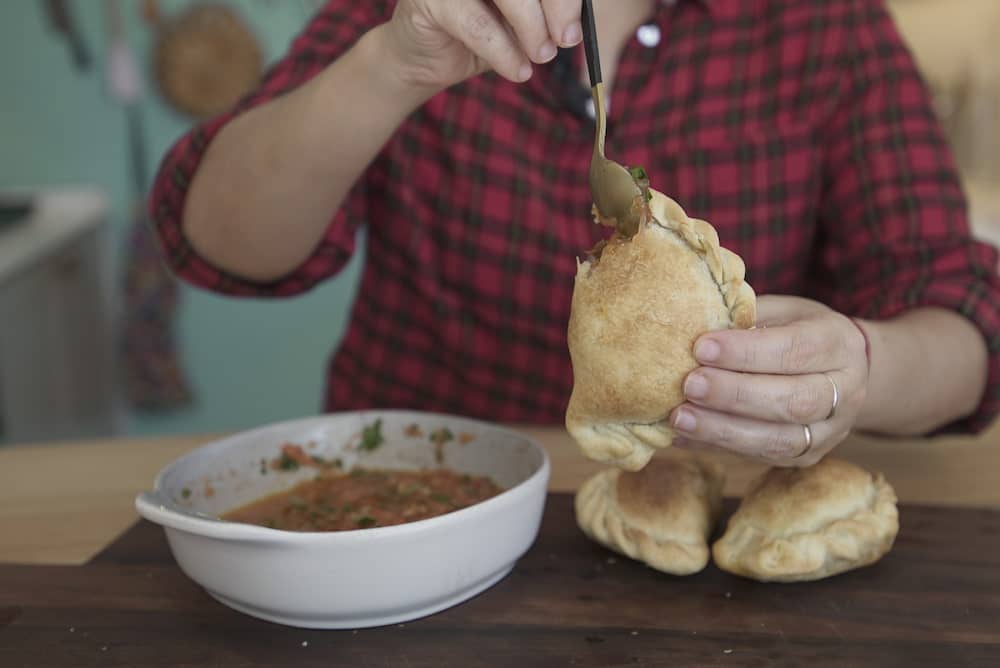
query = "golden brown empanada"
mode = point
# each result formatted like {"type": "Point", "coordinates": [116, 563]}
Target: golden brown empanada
{"type": "Point", "coordinates": [636, 312]}
{"type": "Point", "coordinates": [662, 515]}
{"type": "Point", "coordinates": [798, 524]}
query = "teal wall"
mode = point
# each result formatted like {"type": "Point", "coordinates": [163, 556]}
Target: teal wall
{"type": "Point", "coordinates": [250, 361]}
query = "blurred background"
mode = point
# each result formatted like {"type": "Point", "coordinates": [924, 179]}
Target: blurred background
{"type": "Point", "coordinates": [78, 293]}
{"type": "Point", "coordinates": [96, 339]}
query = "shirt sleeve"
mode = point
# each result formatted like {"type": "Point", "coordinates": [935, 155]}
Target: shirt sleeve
{"type": "Point", "coordinates": [894, 231]}
{"type": "Point", "coordinates": [331, 32]}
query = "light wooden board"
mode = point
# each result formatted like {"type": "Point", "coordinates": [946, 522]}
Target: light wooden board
{"type": "Point", "coordinates": [62, 503]}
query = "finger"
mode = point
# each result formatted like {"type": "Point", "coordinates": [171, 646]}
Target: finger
{"type": "Point", "coordinates": [700, 447]}
{"type": "Point", "coordinates": [774, 310]}
{"type": "Point", "coordinates": [778, 443]}
{"type": "Point", "coordinates": [808, 346]}
{"type": "Point", "coordinates": [528, 21]}
{"type": "Point", "coordinates": [708, 449]}
{"type": "Point", "coordinates": [480, 29]}
{"type": "Point", "coordinates": [802, 399]}
{"type": "Point", "coordinates": [563, 19]}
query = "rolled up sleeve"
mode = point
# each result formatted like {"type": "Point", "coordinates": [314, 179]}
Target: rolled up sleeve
{"type": "Point", "coordinates": [894, 225]}
{"type": "Point", "coordinates": [329, 34]}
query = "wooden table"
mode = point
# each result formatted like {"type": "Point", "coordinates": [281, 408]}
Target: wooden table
{"type": "Point", "coordinates": [934, 600]}
{"type": "Point", "coordinates": [62, 503]}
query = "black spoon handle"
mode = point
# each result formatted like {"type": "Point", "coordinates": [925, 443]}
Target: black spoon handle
{"type": "Point", "coordinates": [590, 43]}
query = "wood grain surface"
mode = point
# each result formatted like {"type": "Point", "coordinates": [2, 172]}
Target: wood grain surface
{"type": "Point", "coordinates": [62, 503]}
{"type": "Point", "coordinates": [933, 601]}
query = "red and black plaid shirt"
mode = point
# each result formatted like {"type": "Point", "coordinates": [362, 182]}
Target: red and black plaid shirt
{"type": "Point", "coordinates": [801, 130]}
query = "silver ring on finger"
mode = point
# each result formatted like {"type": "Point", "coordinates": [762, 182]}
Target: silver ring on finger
{"type": "Point", "coordinates": [836, 396]}
{"type": "Point", "coordinates": [807, 432]}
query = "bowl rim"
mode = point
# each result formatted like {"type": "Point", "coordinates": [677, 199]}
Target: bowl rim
{"type": "Point", "coordinates": [155, 507]}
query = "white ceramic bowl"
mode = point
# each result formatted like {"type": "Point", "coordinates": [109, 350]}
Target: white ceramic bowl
{"type": "Point", "coordinates": [349, 579]}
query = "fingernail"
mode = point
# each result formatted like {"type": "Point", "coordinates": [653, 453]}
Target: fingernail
{"type": "Point", "coordinates": [547, 52]}
{"type": "Point", "coordinates": [707, 351]}
{"type": "Point", "coordinates": [684, 420]}
{"type": "Point", "coordinates": [696, 386]}
{"type": "Point", "coordinates": [524, 73]}
{"type": "Point", "coordinates": [573, 34]}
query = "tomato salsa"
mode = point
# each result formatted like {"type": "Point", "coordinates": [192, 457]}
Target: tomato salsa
{"type": "Point", "coordinates": [365, 498]}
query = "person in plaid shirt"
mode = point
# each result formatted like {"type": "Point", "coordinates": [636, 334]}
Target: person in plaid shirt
{"type": "Point", "coordinates": [458, 134]}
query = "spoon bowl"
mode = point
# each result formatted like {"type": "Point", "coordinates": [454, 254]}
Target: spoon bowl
{"type": "Point", "coordinates": [612, 187]}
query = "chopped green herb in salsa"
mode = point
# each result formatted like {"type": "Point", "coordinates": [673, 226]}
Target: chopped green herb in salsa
{"type": "Point", "coordinates": [442, 435]}
{"type": "Point", "coordinates": [287, 463]}
{"type": "Point", "coordinates": [641, 179]}
{"type": "Point", "coordinates": [371, 436]}
{"type": "Point", "coordinates": [293, 457]}
{"type": "Point", "coordinates": [362, 498]}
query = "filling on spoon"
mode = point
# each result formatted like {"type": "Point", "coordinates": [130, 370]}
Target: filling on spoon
{"type": "Point", "coordinates": [639, 215]}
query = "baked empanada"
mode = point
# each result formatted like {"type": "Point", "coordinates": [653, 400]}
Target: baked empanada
{"type": "Point", "coordinates": [797, 524]}
{"type": "Point", "coordinates": [662, 515]}
{"type": "Point", "coordinates": [637, 309]}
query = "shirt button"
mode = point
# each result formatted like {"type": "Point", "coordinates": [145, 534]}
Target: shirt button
{"type": "Point", "coordinates": [592, 110]}
{"type": "Point", "coordinates": [648, 35]}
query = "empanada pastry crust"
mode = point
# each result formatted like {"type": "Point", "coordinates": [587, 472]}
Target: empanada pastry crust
{"type": "Point", "coordinates": [798, 524]}
{"type": "Point", "coordinates": [662, 515]}
{"type": "Point", "coordinates": [635, 315]}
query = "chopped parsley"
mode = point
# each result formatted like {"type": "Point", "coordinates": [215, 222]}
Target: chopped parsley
{"type": "Point", "coordinates": [441, 498]}
{"type": "Point", "coordinates": [371, 436]}
{"type": "Point", "coordinates": [641, 179]}
{"type": "Point", "coordinates": [286, 463]}
{"type": "Point", "coordinates": [326, 463]}
{"type": "Point", "coordinates": [185, 493]}
{"type": "Point", "coordinates": [366, 522]}
{"type": "Point", "coordinates": [439, 437]}
{"type": "Point", "coordinates": [442, 435]}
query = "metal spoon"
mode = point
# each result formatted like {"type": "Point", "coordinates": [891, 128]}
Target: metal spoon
{"type": "Point", "coordinates": [612, 187]}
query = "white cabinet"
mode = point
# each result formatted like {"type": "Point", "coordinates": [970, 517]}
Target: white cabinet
{"type": "Point", "coordinates": [57, 348]}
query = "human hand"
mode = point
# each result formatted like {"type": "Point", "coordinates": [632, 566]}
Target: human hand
{"type": "Point", "coordinates": [768, 393]}
{"type": "Point", "coordinates": [437, 43]}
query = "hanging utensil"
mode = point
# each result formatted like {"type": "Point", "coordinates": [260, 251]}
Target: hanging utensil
{"type": "Point", "coordinates": [61, 19]}
{"type": "Point", "coordinates": [152, 371]}
{"type": "Point", "coordinates": [206, 59]}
